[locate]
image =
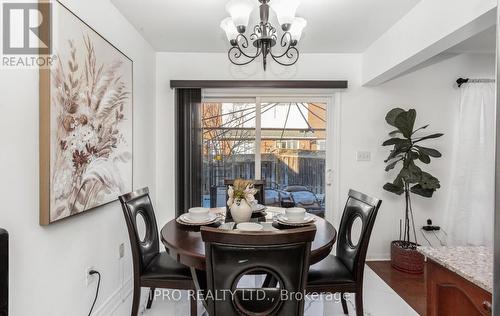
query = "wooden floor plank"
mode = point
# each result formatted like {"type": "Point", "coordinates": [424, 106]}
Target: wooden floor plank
{"type": "Point", "coordinates": [410, 287]}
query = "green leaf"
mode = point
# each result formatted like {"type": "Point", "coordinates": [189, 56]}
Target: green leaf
{"type": "Point", "coordinates": [394, 141]}
{"type": "Point", "coordinates": [399, 182]}
{"type": "Point", "coordinates": [396, 189]}
{"type": "Point", "coordinates": [411, 173]}
{"type": "Point", "coordinates": [399, 149]}
{"type": "Point", "coordinates": [428, 151]}
{"type": "Point", "coordinates": [417, 189]}
{"type": "Point", "coordinates": [403, 146]}
{"type": "Point", "coordinates": [394, 133]}
{"type": "Point", "coordinates": [424, 158]}
{"type": "Point", "coordinates": [428, 181]}
{"type": "Point", "coordinates": [390, 117]}
{"type": "Point", "coordinates": [405, 122]}
{"type": "Point", "coordinates": [394, 154]}
{"type": "Point", "coordinates": [421, 128]}
{"type": "Point", "coordinates": [428, 137]}
{"type": "Point", "coordinates": [392, 165]}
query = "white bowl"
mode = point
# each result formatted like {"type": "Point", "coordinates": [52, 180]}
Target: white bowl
{"type": "Point", "coordinates": [295, 214]}
{"type": "Point", "coordinates": [198, 213]}
{"type": "Point", "coordinates": [249, 227]}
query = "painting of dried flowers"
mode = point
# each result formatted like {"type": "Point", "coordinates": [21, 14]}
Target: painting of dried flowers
{"type": "Point", "coordinates": [86, 136]}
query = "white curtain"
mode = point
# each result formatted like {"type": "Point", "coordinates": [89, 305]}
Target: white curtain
{"type": "Point", "coordinates": [469, 217]}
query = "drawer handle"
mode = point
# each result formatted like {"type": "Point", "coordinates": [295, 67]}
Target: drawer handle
{"type": "Point", "coordinates": [487, 306]}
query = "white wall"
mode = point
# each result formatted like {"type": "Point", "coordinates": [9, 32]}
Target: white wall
{"type": "Point", "coordinates": [47, 264]}
{"type": "Point", "coordinates": [430, 90]}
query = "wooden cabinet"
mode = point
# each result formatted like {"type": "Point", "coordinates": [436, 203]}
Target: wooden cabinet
{"type": "Point", "coordinates": [449, 294]}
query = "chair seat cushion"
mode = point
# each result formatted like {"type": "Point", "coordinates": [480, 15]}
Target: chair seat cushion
{"type": "Point", "coordinates": [330, 270]}
{"type": "Point", "coordinates": [164, 267]}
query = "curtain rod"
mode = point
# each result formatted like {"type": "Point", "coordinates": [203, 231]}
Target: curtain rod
{"type": "Point", "coordinates": [461, 81]}
{"type": "Point", "coordinates": [286, 84]}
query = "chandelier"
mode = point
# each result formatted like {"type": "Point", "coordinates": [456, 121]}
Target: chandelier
{"type": "Point", "coordinates": [264, 37]}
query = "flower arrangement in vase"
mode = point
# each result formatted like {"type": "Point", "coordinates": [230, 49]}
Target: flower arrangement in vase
{"type": "Point", "coordinates": [241, 197]}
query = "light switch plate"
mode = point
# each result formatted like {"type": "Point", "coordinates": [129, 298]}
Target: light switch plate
{"type": "Point", "coordinates": [363, 156]}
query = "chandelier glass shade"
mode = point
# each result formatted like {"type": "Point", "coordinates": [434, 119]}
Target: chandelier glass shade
{"type": "Point", "coordinates": [263, 39]}
{"type": "Point", "coordinates": [228, 26]}
{"type": "Point", "coordinates": [285, 10]}
{"type": "Point", "coordinates": [240, 10]}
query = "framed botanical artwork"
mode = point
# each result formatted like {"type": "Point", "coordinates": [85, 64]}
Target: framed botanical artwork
{"type": "Point", "coordinates": [85, 121]}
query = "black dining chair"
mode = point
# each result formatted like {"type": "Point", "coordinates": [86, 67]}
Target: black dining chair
{"type": "Point", "coordinates": [230, 255]}
{"type": "Point", "coordinates": [152, 268]}
{"type": "Point", "coordinates": [343, 273]}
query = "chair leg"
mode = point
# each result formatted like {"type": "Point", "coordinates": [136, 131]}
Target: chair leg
{"type": "Point", "coordinates": [359, 302]}
{"type": "Point", "coordinates": [135, 300]}
{"type": "Point", "coordinates": [344, 303]}
{"type": "Point", "coordinates": [150, 297]}
{"type": "Point", "coordinates": [194, 305]}
{"type": "Point", "coordinates": [269, 281]}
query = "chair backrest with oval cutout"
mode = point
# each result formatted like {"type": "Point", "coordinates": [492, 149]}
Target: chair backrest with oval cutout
{"type": "Point", "coordinates": [141, 225]}
{"type": "Point", "coordinates": [355, 229]}
{"type": "Point", "coordinates": [231, 255]}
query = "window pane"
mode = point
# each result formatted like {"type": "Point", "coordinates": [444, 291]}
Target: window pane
{"type": "Point", "coordinates": [228, 148]}
{"type": "Point", "coordinates": [293, 153]}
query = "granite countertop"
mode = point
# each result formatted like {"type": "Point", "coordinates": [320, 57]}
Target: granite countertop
{"type": "Point", "coordinates": [474, 263]}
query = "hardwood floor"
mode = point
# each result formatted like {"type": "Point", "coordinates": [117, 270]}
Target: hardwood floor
{"type": "Point", "coordinates": [411, 288]}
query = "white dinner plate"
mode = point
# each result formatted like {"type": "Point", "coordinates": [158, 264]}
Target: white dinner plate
{"type": "Point", "coordinates": [249, 227]}
{"type": "Point", "coordinates": [258, 208]}
{"type": "Point", "coordinates": [282, 219]}
{"type": "Point", "coordinates": [186, 220]}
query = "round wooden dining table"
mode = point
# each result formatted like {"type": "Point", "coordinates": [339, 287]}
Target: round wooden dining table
{"type": "Point", "coordinates": [184, 243]}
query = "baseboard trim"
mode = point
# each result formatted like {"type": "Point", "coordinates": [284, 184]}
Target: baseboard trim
{"type": "Point", "coordinates": [379, 257]}
{"type": "Point", "coordinates": [116, 299]}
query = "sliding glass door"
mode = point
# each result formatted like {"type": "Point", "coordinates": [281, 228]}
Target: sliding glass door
{"type": "Point", "coordinates": [228, 130]}
{"type": "Point", "coordinates": [281, 141]}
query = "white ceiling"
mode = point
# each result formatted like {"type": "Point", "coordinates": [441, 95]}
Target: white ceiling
{"type": "Point", "coordinates": [334, 26]}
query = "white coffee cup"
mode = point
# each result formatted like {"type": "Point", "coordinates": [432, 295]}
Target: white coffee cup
{"type": "Point", "coordinates": [295, 214]}
{"type": "Point", "coordinates": [198, 213]}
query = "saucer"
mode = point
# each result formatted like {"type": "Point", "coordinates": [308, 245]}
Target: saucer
{"type": "Point", "coordinates": [249, 227]}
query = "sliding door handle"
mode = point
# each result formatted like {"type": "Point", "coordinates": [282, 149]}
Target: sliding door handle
{"type": "Point", "coordinates": [329, 177]}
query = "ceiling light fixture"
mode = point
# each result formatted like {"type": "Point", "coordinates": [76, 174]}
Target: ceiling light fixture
{"type": "Point", "coordinates": [264, 36]}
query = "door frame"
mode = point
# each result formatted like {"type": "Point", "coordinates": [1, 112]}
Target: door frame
{"type": "Point", "coordinates": [333, 101]}
{"type": "Point", "coordinates": [496, 240]}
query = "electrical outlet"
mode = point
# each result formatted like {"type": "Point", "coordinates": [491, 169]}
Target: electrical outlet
{"type": "Point", "coordinates": [88, 277]}
{"type": "Point", "coordinates": [363, 156]}
{"type": "Point", "coordinates": [430, 227]}
{"type": "Point", "coordinates": [121, 251]}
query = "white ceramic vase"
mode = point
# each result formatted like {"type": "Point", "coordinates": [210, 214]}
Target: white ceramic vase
{"type": "Point", "coordinates": [241, 211]}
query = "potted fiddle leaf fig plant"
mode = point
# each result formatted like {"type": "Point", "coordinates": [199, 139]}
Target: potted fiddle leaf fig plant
{"type": "Point", "coordinates": [407, 154]}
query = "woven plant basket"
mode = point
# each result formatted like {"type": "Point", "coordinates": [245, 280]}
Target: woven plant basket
{"type": "Point", "coordinates": [407, 260]}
